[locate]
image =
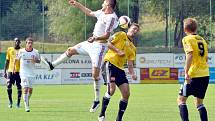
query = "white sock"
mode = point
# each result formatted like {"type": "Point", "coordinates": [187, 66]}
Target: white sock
{"type": "Point", "coordinates": [25, 98]}
{"type": "Point", "coordinates": [60, 60]}
{"type": "Point", "coordinates": [107, 95]}
{"type": "Point", "coordinates": [97, 89]}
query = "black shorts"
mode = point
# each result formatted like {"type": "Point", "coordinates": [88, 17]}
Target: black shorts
{"type": "Point", "coordinates": [14, 78]}
{"type": "Point", "coordinates": [197, 87]}
{"type": "Point", "coordinates": [113, 74]}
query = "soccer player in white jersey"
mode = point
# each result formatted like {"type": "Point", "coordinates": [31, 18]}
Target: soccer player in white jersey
{"type": "Point", "coordinates": [96, 45]}
{"type": "Point", "coordinates": [28, 56]}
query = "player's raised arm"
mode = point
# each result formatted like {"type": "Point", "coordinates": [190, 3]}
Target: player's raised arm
{"type": "Point", "coordinates": [84, 9]}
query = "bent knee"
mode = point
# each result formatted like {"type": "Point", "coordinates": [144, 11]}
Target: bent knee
{"type": "Point", "coordinates": [71, 51]}
{"type": "Point", "coordinates": [181, 100]}
{"type": "Point", "coordinates": [126, 95]}
{"type": "Point", "coordinates": [112, 91]}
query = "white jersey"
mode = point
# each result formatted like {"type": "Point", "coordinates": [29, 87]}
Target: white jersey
{"type": "Point", "coordinates": [105, 23]}
{"type": "Point", "coordinates": [26, 65]}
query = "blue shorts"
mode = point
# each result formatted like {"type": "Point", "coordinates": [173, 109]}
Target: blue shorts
{"type": "Point", "coordinates": [112, 74]}
{"type": "Point", "coordinates": [197, 87]}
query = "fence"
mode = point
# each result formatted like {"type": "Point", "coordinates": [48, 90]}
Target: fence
{"type": "Point", "coordinates": [56, 21]}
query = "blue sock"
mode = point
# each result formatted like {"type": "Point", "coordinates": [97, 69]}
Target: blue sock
{"type": "Point", "coordinates": [202, 112]}
{"type": "Point", "coordinates": [183, 112]}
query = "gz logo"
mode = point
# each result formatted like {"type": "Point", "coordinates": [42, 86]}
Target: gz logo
{"type": "Point", "coordinates": [159, 73]}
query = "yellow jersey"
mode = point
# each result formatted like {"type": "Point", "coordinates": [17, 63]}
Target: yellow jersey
{"type": "Point", "coordinates": [198, 46]}
{"type": "Point", "coordinates": [121, 41]}
{"type": "Point", "coordinates": [11, 56]}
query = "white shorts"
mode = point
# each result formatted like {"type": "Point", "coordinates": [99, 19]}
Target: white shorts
{"type": "Point", "coordinates": [27, 82]}
{"type": "Point", "coordinates": [95, 50]}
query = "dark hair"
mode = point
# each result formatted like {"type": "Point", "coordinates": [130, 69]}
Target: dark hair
{"type": "Point", "coordinates": [190, 24]}
{"type": "Point", "coordinates": [112, 3]}
{"type": "Point", "coordinates": [16, 39]}
{"type": "Point", "coordinates": [134, 24]}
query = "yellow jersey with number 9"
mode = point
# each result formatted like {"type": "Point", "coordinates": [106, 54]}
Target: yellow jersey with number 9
{"type": "Point", "coordinates": [198, 46]}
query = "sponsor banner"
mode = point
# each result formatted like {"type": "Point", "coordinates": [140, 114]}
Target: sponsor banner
{"type": "Point", "coordinates": [159, 75]}
{"type": "Point", "coordinates": [43, 76]}
{"type": "Point", "coordinates": [211, 59]}
{"type": "Point", "coordinates": [76, 61]}
{"type": "Point", "coordinates": [137, 72]}
{"type": "Point", "coordinates": [181, 75]}
{"type": "Point", "coordinates": [2, 79]}
{"type": "Point", "coordinates": [77, 76]}
{"type": "Point", "coordinates": [84, 76]}
{"type": "Point", "coordinates": [179, 60]}
{"type": "Point", "coordinates": [154, 60]}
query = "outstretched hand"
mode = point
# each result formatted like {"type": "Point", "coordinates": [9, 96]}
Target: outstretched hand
{"type": "Point", "coordinates": [73, 3]}
{"type": "Point", "coordinates": [134, 77]}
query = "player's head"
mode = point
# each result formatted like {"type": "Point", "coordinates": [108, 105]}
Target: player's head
{"type": "Point", "coordinates": [133, 29]}
{"type": "Point", "coordinates": [109, 4]}
{"type": "Point", "coordinates": [29, 42]}
{"type": "Point", "coordinates": [190, 25]}
{"type": "Point", "coordinates": [17, 43]}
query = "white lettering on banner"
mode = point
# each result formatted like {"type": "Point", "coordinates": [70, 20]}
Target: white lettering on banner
{"type": "Point", "coordinates": [76, 61]}
{"type": "Point", "coordinates": [84, 76]}
{"type": "Point", "coordinates": [179, 60]}
{"type": "Point", "coordinates": [154, 60]}
{"type": "Point", "coordinates": [43, 76]}
{"type": "Point", "coordinates": [77, 76]}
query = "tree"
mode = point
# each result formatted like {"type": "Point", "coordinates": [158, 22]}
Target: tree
{"type": "Point", "coordinates": [22, 20]}
{"type": "Point", "coordinates": [67, 23]}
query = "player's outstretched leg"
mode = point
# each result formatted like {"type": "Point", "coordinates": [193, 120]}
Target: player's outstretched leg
{"type": "Point", "coordinates": [47, 63]}
{"type": "Point", "coordinates": [65, 56]}
{"type": "Point", "coordinates": [96, 102]}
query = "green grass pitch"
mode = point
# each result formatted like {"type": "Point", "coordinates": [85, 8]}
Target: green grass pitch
{"type": "Point", "coordinates": [148, 102]}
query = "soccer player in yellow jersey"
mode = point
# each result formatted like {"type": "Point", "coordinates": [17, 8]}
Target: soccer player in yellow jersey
{"type": "Point", "coordinates": [196, 71]}
{"type": "Point", "coordinates": [10, 76]}
{"type": "Point", "coordinates": [121, 50]}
